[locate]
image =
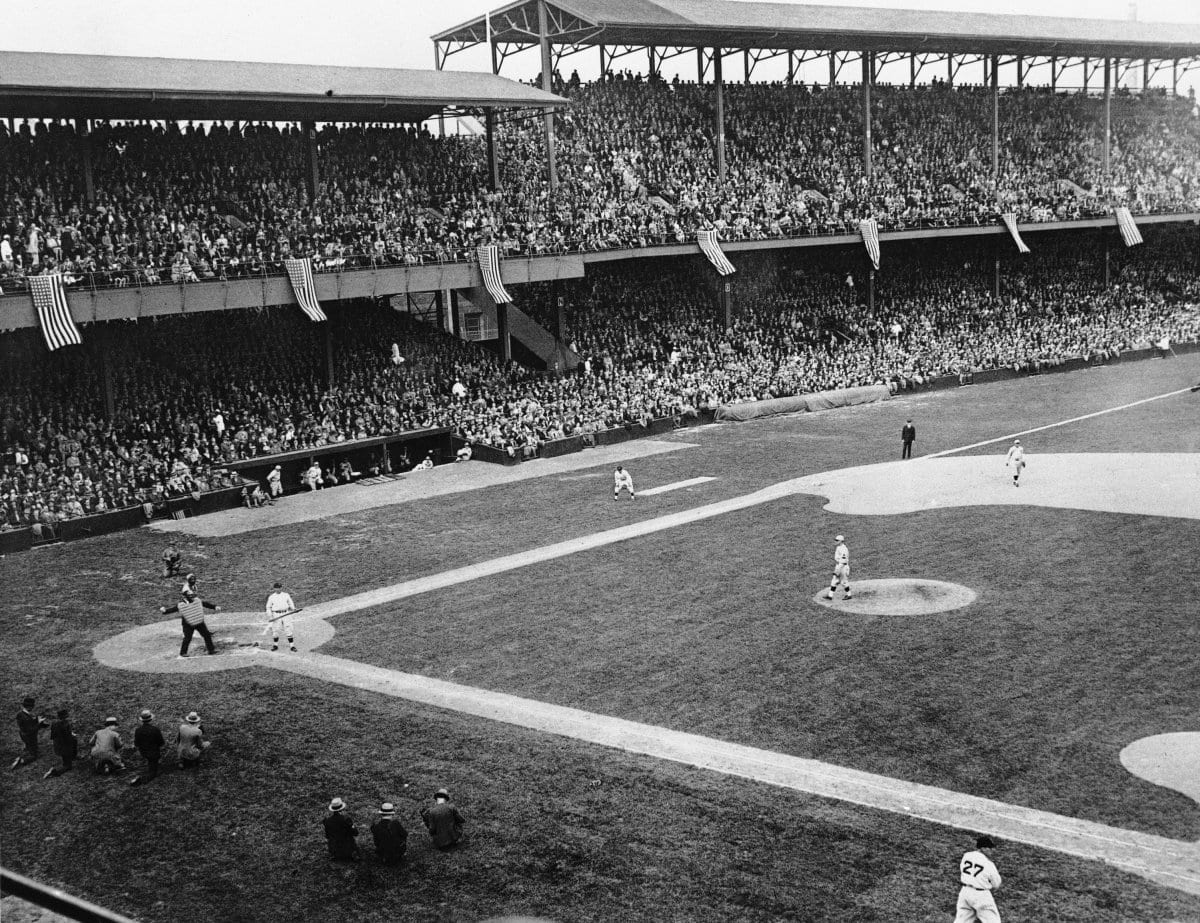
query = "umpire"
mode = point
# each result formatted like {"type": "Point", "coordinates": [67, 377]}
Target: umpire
{"type": "Point", "coordinates": [191, 611]}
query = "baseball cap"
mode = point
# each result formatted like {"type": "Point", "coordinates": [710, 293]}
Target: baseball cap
{"type": "Point", "coordinates": [442, 793]}
{"type": "Point", "coordinates": [839, 538]}
{"type": "Point", "coordinates": [984, 842]}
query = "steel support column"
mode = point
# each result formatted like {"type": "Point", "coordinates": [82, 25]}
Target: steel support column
{"type": "Point", "coordinates": [746, 63]}
{"type": "Point", "coordinates": [719, 86]}
{"type": "Point", "coordinates": [1145, 73]}
{"type": "Point", "coordinates": [832, 68]}
{"type": "Point", "coordinates": [1053, 75]}
{"type": "Point", "coordinates": [868, 77]}
{"type": "Point", "coordinates": [492, 156]}
{"type": "Point", "coordinates": [1175, 77]}
{"type": "Point", "coordinates": [1020, 71]}
{"type": "Point", "coordinates": [502, 332]}
{"type": "Point", "coordinates": [312, 174]}
{"type": "Point", "coordinates": [871, 291]}
{"type": "Point", "coordinates": [1107, 264]}
{"type": "Point", "coordinates": [912, 70]}
{"type": "Point", "coordinates": [996, 272]}
{"type": "Point", "coordinates": [726, 296]}
{"type": "Point", "coordinates": [83, 128]}
{"type": "Point", "coordinates": [455, 319]}
{"type": "Point", "coordinates": [329, 366]}
{"type": "Point", "coordinates": [791, 77]}
{"type": "Point", "coordinates": [950, 69]}
{"type": "Point", "coordinates": [437, 64]}
{"type": "Point", "coordinates": [699, 66]}
{"type": "Point", "coordinates": [547, 85]}
{"type": "Point", "coordinates": [1107, 116]}
{"type": "Point", "coordinates": [994, 64]}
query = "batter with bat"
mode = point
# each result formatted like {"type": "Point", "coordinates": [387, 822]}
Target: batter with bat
{"type": "Point", "coordinates": [280, 610]}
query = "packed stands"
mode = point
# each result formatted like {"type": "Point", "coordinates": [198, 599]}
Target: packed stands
{"type": "Point", "coordinates": [189, 204]}
{"type": "Point", "coordinates": [654, 345]}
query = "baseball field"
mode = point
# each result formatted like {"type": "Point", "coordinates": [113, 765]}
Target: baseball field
{"type": "Point", "coordinates": [642, 708]}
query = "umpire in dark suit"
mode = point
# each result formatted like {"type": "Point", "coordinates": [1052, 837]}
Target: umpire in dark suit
{"type": "Point", "coordinates": [908, 435]}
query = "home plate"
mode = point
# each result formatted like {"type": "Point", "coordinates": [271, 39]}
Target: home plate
{"type": "Point", "coordinates": [899, 597]}
{"type": "Point", "coordinates": [678, 485]}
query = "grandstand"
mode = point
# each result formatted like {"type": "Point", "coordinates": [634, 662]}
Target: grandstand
{"type": "Point", "coordinates": [210, 269]}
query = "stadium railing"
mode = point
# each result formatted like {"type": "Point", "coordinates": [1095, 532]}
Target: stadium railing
{"type": "Point", "coordinates": [56, 900]}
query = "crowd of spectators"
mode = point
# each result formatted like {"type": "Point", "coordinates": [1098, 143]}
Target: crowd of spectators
{"type": "Point", "coordinates": [637, 168]}
{"type": "Point", "coordinates": [191, 394]}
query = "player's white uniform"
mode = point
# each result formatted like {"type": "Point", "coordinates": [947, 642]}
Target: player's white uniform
{"type": "Point", "coordinates": [622, 480]}
{"type": "Point", "coordinates": [1015, 460]}
{"type": "Point", "coordinates": [979, 879]}
{"type": "Point", "coordinates": [279, 604]}
{"type": "Point", "coordinates": [841, 567]}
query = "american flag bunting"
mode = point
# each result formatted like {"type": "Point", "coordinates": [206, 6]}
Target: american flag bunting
{"type": "Point", "coordinates": [300, 273]}
{"type": "Point", "coordinates": [54, 314]}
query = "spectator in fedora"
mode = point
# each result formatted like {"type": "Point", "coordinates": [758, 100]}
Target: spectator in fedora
{"type": "Point", "coordinates": [148, 740]}
{"type": "Point", "coordinates": [391, 839]}
{"type": "Point", "coordinates": [444, 823]}
{"type": "Point", "coordinates": [106, 749]}
{"type": "Point", "coordinates": [29, 726]}
{"type": "Point", "coordinates": [340, 832]}
{"type": "Point", "coordinates": [65, 743]}
{"type": "Point", "coordinates": [190, 742]}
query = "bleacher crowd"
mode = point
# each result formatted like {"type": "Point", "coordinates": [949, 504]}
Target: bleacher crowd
{"type": "Point", "coordinates": [637, 167]}
{"type": "Point", "coordinates": [192, 393]}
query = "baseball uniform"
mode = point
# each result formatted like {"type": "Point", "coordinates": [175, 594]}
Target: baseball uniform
{"type": "Point", "coordinates": [622, 480]}
{"type": "Point", "coordinates": [1015, 460]}
{"type": "Point", "coordinates": [279, 610]}
{"type": "Point", "coordinates": [841, 569]}
{"type": "Point", "coordinates": [979, 879]}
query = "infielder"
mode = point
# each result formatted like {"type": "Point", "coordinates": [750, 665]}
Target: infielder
{"type": "Point", "coordinates": [979, 879]}
{"type": "Point", "coordinates": [279, 616]}
{"type": "Point", "coordinates": [622, 480]}
{"type": "Point", "coordinates": [1016, 460]}
{"type": "Point", "coordinates": [189, 583]}
{"type": "Point", "coordinates": [841, 568]}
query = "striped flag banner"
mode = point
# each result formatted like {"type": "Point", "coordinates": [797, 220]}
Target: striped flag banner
{"type": "Point", "coordinates": [712, 249]}
{"type": "Point", "coordinates": [1129, 229]}
{"type": "Point", "coordinates": [301, 275]}
{"type": "Point", "coordinates": [54, 314]}
{"type": "Point", "coordinates": [1010, 222]}
{"type": "Point", "coordinates": [869, 229]}
{"type": "Point", "coordinates": [489, 265]}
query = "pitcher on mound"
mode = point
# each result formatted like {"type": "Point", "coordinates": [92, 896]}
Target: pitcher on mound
{"type": "Point", "coordinates": [841, 568]}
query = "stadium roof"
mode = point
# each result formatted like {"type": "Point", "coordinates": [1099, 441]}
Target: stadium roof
{"type": "Point", "coordinates": [37, 85]}
{"type": "Point", "coordinates": [729, 24]}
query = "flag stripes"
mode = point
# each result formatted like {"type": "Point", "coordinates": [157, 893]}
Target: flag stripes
{"type": "Point", "coordinates": [712, 249]}
{"type": "Point", "coordinates": [300, 274]}
{"type": "Point", "coordinates": [1129, 229]}
{"type": "Point", "coordinates": [54, 314]}
{"type": "Point", "coordinates": [489, 265]}
{"type": "Point", "coordinates": [869, 229]}
{"type": "Point", "coordinates": [1010, 222]}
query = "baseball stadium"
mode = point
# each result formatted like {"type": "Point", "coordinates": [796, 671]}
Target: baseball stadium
{"type": "Point", "coordinates": [712, 461]}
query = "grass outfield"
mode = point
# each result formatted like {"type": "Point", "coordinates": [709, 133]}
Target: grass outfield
{"type": "Point", "coordinates": [1083, 639]}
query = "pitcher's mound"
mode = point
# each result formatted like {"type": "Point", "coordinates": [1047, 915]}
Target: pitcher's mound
{"type": "Point", "coordinates": [900, 597]}
{"type": "Point", "coordinates": [1169, 760]}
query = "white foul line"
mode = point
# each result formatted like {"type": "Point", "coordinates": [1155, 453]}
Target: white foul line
{"type": "Point", "coordinates": [1038, 429]}
{"type": "Point", "coordinates": [678, 485]}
